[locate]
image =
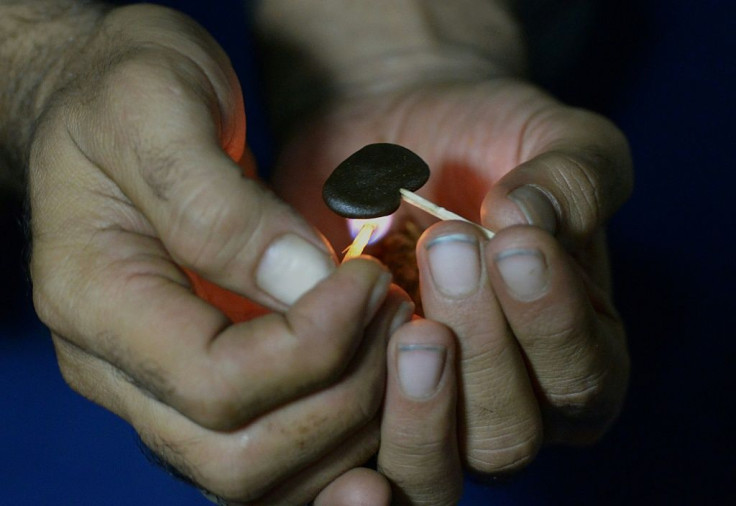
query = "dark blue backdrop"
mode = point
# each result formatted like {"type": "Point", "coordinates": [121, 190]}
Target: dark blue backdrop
{"type": "Point", "coordinates": [664, 71]}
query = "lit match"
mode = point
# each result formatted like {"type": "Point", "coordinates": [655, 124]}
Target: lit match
{"type": "Point", "coordinates": [361, 241]}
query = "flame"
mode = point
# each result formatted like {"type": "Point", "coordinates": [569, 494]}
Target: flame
{"type": "Point", "coordinates": [365, 232]}
{"type": "Point", "coordinates": [382, 226]}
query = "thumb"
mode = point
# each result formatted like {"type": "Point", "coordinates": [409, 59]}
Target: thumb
{"type": "Point", "coordinates": [570, 185]}
{"type": "Point", "coordinates": [158, 123]}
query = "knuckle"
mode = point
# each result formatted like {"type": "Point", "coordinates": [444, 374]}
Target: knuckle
{"type": "Point", "coordinates": [335, 351]}
{"type": "Point", "coordinates": [506, 452]}
{"type": "Point", "coordinates": [67, 366]}
{"type": "Point", "coordinates": [211, 407]}
{"type": "Point", "coordinates": [43, 304]}
{"type": "Point", "coordinates": [223, 470]}
{"type": "Point", "coordinates": [208, 231]}
{"type": "Point", "coordinates": [578, 395]}
{"type": "Point", "coordinates": [145, 71]}
{"type": "Point", "coordinates": [580, 195]}
{"type": "Point", "coordinates": [50, 294]}
{"type": "Point", "coordinates": [584, 407]}
{"type": "Point", "coordinates": [409, 445]}
{"type": "Point", "coordinates": [132, 88]}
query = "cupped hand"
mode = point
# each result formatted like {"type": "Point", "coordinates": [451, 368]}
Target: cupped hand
{"type": "Point", "coordinates": [134, 198]}
{"type": "Point", "coordinates": [542, 350]}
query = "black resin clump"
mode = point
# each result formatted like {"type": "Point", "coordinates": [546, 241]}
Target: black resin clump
{"type": "Point", "coordinates": [367, 184]}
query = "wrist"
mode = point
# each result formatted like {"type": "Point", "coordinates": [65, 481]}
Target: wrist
{"type": "Point", "coordinates": [319, 50]}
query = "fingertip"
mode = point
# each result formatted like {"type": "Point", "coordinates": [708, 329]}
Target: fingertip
{"type": "Point", "coordinates": [538, 205]}
{"type": "Point", "coordinates": [419, 451]}
{"type": "Point", "coordinates": [423, 353]}
{"type": "Point", "coordinates": [290, 267]}
{"type": "Point", "coordinates": [512, 203]}
{"type": "Point", "coordinates": [357, 487]}
{"type": "Point", "coordinates": [424, 332]}
{"type": "Point", "coordinates": [347, 299]}
{"type": "Point", "coordinates": [520, 261]}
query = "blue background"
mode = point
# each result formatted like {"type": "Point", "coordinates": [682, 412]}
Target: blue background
{"type": "Point", "coordinates": [665, 72]}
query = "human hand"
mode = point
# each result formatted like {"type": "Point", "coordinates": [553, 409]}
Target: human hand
{"type": "Point", "coordinates": [131, 178]}
{"type": "Point", "coordinates": [542, 350]}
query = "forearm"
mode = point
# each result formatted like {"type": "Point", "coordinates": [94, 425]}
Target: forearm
{"type": "Point", "coordinates": [316, 49]}
{"type": "Point", "coordinates": [38, 40]}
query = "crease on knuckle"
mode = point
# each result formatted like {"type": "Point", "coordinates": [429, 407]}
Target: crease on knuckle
{"type": "Point", "coordinates": [506, 451]}
{"type": "Point", "coordinates": [56, 286]}
{"type": "Point", "coordinates": [578, 180]}
{"type": "Point", "coordinates": [582, 397]}
{"type": "Point", "coordinates": [159, 166]}
{"type": "Point", "coordinates": [413, 448]}
{"type": "Point", "coordinates": [208, 231]}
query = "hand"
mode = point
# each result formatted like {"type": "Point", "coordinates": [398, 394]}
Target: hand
{"type": "Point", "coordinates": [542, 350]}
{"type": "Point", "coordinates": [131, 178]}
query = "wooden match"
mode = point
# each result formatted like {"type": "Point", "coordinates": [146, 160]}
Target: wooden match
{"type": "Point", "coordinates": [437, 211]}
{"type": "Point", "coordinates": [360, 242]}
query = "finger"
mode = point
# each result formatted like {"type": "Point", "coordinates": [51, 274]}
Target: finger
{"type": "Point", "coordinates": [576, 173]}
{"type": "Point", "coordinates": [155, 125]}
{"type": "Point", "coordinates": [572, 337]}
{"type": "Point", "coordinates": [288, 454]}
{"type": "Point", "coordinates": [186, 354]}
{"type": "Point", "coordinates": [419, 452]}
{"type": "Point", "coordinates": [500, 421]}
{"type": "Point", "coordinates": [357, 487]}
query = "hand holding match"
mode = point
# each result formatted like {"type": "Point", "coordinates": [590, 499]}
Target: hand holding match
{"type": "Point", "coordinates": [374, 180]}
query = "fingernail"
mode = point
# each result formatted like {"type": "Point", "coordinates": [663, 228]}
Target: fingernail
{"type": "Point", "coordinates": [403, 314]}
{"type": "Point", "coordinates": [290, 267]}
{"type": "Point", "coordinates": [537, 207]}
{"type": "Point", "coordinates": [420, 369]}
{"type": "Point", "coordinates": [454, 262]}
{"type": "Point", "coordinates": [378, 294]}
{"type": "Point", "coordinates": [525, 273]}
{"type": "Point", "coordinates": [213, 498]}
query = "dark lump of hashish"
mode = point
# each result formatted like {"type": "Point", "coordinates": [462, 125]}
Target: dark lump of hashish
{"type": "Point", "coordinates": [367, 184]}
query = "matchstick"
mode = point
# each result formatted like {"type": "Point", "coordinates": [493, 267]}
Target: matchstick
{"type": "Point", "coordinates": [437, 211]}
{"type": "Point", "coordinates": [360, 242]}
